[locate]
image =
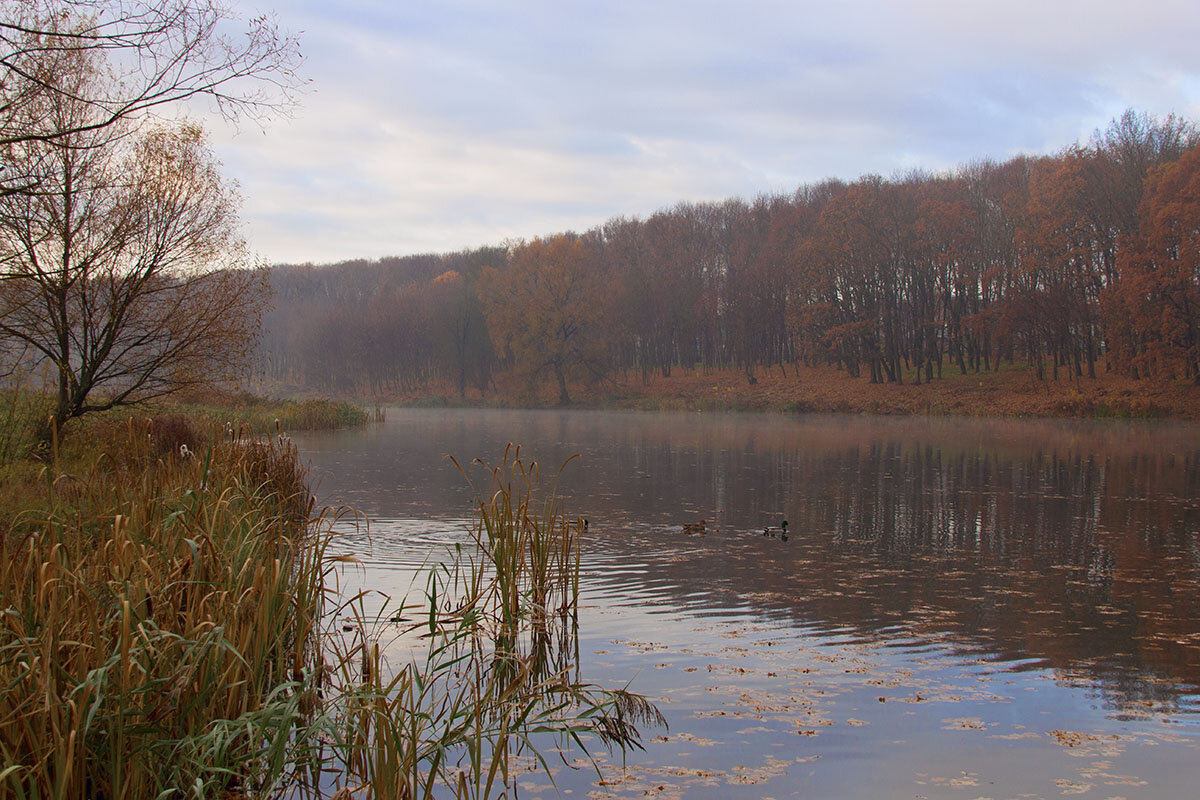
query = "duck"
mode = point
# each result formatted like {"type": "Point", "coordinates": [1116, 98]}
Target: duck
{"type": "Point", "coordinates": [781, 530]}
{"type": "Point", "coordinates": [694, 528]}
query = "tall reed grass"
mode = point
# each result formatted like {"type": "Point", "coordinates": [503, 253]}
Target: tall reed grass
{"type": "Point", "coordinates": [497, 676]}
{"type": "Point", "coordinates": [164, 633]}
{"type": "Point", "coordinates": [157, 619]}
{"type": "Point", "coordinates": [260, 415]}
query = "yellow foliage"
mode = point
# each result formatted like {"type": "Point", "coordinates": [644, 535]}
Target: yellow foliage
{"type": "Point", "coordinates": [548, 309]}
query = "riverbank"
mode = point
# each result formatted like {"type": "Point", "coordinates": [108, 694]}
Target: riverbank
{"type": "Point", "coordinates": [162, 585]}
{"type": "Point", "coordinates": [1011, 392]}
{"type": "Point", "coordinates": [206, 415]}
{"type": "Point", "coordinates": [1014, 391]}
{"type": "Point", "coordinates": [171, 624]}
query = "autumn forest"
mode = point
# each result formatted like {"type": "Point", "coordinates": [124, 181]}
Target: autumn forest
{"type": "Point", "coordinates": [1072, 265]}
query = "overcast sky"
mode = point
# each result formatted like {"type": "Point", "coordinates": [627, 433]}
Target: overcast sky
{"type": "Point", "coordinates": [443, 124]}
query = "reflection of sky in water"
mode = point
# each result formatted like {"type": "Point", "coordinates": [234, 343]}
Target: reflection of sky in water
{"type": "Point", "coordinates": [1018, 593]}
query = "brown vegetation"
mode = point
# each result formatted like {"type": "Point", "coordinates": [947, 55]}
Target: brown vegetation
{"type": "Point", "coordinates": [1014, 391]}
{"type": "Point", "coordinates": [122, 273]}
{"type": "Point", "coordinates": [547, 312]}
{"type": "Point", "coordinates": [169, 602]}
{"type": "Point", "coordinates": [1074, 267]}
{"type": "Point", "coordinates": [158, 596]}
{"type": "Point", "coordinates": [1009, 392]}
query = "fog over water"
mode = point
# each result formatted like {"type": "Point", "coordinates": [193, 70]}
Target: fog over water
{"type": "Point", "coordinates": [971, 608]}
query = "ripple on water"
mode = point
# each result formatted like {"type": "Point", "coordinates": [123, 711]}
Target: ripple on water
{"type": "Point", "coordinates": [963, 609]}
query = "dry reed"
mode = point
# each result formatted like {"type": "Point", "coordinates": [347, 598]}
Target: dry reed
{"type": "Point", "coordinates": [161, 611]}
{"type": "Point", "coordinates": [157, 614]}
{"type": "Point", "coordinates": [499, 669]}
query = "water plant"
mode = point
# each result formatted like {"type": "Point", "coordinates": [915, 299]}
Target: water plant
{"type": "Point", "coordinates": [166, 599]}
{"type": "Point", "coordinates": [156, 612]}
{"type": "Point", "coordinates": [495, 673]}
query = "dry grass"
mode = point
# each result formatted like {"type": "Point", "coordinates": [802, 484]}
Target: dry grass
{"type": "Point", "coordinates": [158, 613]}
{"type": "Point", "coordinates": [162, 594]}
{"type": "Point", "coordinates": [1014, 391]}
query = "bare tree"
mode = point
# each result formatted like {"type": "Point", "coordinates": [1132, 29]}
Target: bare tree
{"type": "Point", "coordinates": [161, 53]}
{"type": "Point", "coordinates": [123, 269]}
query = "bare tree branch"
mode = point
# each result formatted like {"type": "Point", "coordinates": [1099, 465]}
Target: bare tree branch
{"type": "Point", "coordinates": [124, 270]}
{"type": "Point", "coordinates": [160, 53]}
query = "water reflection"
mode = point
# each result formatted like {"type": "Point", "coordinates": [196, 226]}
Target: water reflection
{"type": "Point", "coordinates": [1068, 545]}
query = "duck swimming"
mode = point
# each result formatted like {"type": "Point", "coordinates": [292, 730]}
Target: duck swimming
{"type": "Point", "coordinates": [694, 528]}
{"type": "Point", "coordinates": [781, 530]}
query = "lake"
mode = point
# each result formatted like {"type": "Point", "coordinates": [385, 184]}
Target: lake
{"type": "Point", "coordinates": [962, 608]}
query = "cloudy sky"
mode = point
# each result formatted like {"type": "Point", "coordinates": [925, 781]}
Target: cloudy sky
{"type": "Point", "coordinates": [434, 125]}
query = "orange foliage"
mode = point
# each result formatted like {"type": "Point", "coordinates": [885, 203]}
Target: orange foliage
{"type": "Point", "coordinates": [547, 310]}
{"type": "Point", "coordinates": [448, 278]}
{"type": "Point", "coordinates": [1155, 306]}
{"type": "Point", "coordinates": [1044, 266]}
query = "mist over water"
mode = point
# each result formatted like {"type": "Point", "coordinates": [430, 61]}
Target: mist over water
{"type": "Point", "coordinates": [973, 608]}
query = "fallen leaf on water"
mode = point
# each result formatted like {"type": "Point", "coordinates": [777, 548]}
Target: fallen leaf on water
{"type": "Point", "coordinates": [1072, 738]}
{"type": "Point", "coordinates": [1070, 787]}
{"type": "Point", "coordinates": [964, 724]}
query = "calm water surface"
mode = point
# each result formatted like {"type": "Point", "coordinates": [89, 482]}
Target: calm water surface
{"type": "Point", "coordinates": [964, 609]}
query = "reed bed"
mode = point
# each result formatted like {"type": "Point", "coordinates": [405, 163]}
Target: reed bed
{"type": "Point", "coordinates": [259, 415]}
{"type": "Point", "coordinates": [157, 619]}
{"type": "Point", "coordinates": [496, 677]}
{"type": "Point", "coordinates": [23, 414]}
{"type": "Point", "coordinates": [165, 595]}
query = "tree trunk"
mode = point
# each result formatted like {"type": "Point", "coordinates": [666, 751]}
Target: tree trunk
{"type": "Point", "coordinates": [564, 399]}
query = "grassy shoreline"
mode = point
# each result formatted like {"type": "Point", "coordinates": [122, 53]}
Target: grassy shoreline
{"type": "Point", "coordinates": [216, 415]}
{"type": "Point", "coordinates": [160, 590]}
{"type": "Point", "coordinates": [165, 596]}
{"type": "Point", "coordinates": [261, 415]}
{"type": "Point", "coordinates": [1010, 392]}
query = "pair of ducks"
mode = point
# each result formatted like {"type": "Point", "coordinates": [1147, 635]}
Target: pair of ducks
{"type": "Point", "coordinates": [697, 529]}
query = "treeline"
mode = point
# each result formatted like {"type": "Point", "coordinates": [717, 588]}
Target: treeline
{"type": "Point", "coordinates": [1085, 261]}
{"type": "Point", "coordinates": [379, 325]}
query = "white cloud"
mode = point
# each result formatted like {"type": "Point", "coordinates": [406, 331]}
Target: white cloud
{"type": "Point", "coordinates": [439, 125]}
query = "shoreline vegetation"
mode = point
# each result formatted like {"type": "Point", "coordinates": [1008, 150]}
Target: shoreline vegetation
{"type": "Point", "coordinates": [168, 626]}
{"type": "Point", "coordinates": [265, 415]}
{"type": "Point", "coordinates": [1076, 267]}
{"type": "Point", "coordinates": [22, 414]}
{"type": "Point", "coordinates": [1012, 391]}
